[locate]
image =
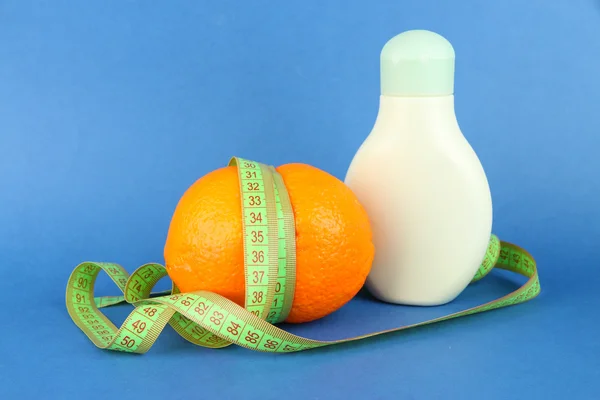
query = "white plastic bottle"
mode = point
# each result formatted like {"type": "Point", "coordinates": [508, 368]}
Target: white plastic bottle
{"type": "Point", "coordinates": [420, 181]}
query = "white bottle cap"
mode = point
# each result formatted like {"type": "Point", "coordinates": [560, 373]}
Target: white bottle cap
{"type": "Point", "coordinates": [417, 63]}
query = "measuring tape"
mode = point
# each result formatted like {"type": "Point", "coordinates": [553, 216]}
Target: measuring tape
{"type": "Point", "coordinates": [210, 320]}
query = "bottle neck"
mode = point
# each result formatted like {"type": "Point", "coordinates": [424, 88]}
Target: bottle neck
{"type": "Point", "coordinates": [432, 114]}
{"type": "Point", "coordinates": [412, 107]}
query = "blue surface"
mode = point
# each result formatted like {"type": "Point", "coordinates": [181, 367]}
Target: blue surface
{"type": "Point", "coordinates": [110, 110]}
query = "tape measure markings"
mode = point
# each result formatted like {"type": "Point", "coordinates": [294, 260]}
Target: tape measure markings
{"type": "Point", "coordinates": [258, 250]}
{"type": "Point", "coordinates": [286, 278]}
{"type": "Point", "coordinates": [257, 271]}
{"type": "Point", "coordinates": [273, 254]}
{"type": "Point", "coordinates": [275, 314]}
{"type": "Point", "coordinates": [266, 234]}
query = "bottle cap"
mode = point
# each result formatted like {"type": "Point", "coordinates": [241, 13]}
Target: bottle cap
{"type": "Point", "coordinates": [417, 63]}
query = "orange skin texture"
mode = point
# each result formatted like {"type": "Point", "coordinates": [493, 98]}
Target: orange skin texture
{"type": "Point", "coordinates": [334, 249]}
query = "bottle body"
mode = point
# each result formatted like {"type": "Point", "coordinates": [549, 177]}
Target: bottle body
{"type": "Point", "coordinates": [428, 199]}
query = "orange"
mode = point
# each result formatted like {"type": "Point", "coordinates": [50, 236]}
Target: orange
{"type": "Point", "coordinates": [334, 249]}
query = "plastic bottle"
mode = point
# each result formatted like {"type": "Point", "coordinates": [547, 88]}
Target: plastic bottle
{"type": "Point", "coordinates": [420, 181]}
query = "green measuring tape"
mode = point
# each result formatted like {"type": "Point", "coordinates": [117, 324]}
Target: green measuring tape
{"type": "Point", "coordinates": [210, 320]}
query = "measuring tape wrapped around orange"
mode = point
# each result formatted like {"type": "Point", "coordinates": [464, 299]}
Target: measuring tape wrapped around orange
{"type": "Point", "coordinates": [267, 293]}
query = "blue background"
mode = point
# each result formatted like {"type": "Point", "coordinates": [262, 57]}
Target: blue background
{"type": "Point", "coordinates": [109, 110]}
